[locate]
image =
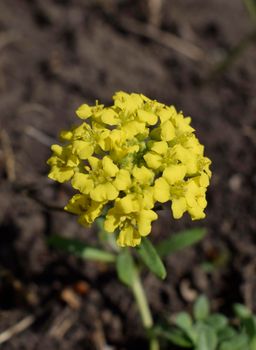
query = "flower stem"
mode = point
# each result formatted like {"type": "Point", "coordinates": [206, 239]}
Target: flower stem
{"type": "Point", "coordinates": [154, 344]}
{"type": "Point", "coordinates": [144, 310]}
{"type": "Point", "coordinates": [141, 299]}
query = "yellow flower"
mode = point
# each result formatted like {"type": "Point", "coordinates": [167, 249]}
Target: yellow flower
{"type": "Point", "coordinates": [132, 220]}
{"type": "Point", "coordinates": [86, 208]}
{"type": "Point", "coordinates": [86, 139]}
{"type": "Point", "coordinates": [63, 163]}
{"type": "Point", "coordinates": [143, 175]}
{"type": "Point", "coordinates": [123, 159]}
{"type": "Point", "coordinates": [193, 200]}
{"type": "Point", "coordinates": [98, 183]}
{"type": "Point", "coordinates": [128, 103]}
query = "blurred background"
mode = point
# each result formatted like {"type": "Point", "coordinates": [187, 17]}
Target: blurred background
{"type": "Point", "coordinates": [57, 54]}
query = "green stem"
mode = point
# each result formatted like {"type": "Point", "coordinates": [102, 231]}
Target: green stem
{"type": "Point", "coordinates": [145, 313]}
{"type": "Point", "coordinates": [141, 299]}
{"type": "Point", "coordinates": [154, 344]}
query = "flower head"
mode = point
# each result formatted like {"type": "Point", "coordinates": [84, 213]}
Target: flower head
{"type": "Point", "coordinates": [125, 158]}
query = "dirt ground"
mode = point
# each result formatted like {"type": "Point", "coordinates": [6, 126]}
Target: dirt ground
{"type": "Point", "coordinates": [58, 54]}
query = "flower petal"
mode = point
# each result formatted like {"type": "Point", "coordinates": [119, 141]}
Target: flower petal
{"type": "Point", "coordinates": [123, 180]}
{"type": "Point", "coordinates": [82, 182]}
{"type": "Point", "coordinates": [61, 174]}
{"type": "Point", "coordinates": [94, 163]}
{"type": "Point", "coordinates": [147, 117]}
{"type": "Point", "coordinates": [83, 149]}
{"type": "Point", "coordinates": [174, 173]}
{"type": "Point", "coordinates": [77, 203]}
{"type": "Point", "coordinates": [112, 220]}
{"type": "Point", "coordinates": [167, 131]}
{"type": "Point", "coordinates": [109, 167]}
{"type": "Point", "coordinates": [179, 206]}
{"type": "Point", "coordinates": [144, 221]}
{"type": "Point", "coordinates": [162, 190]}
{"type": "Point", "coordinates": [143, 175]}
{"type": "Point", "coordinates": [93, 211]}
{"type": "Point", "coordinates": [110, 117]}
{"type": "Point", "coordinates": [104, 192]}
{"type": "Point", "coordinates": [153, 160]}
{"type": "Point", "coordinates": [128, 236]}
{"type": "Point", "coordinates": [127, 204]}
{"type": "Point", "coordinates": [160, 147]}
{"type": "Point", "coordinates": [84, 111]}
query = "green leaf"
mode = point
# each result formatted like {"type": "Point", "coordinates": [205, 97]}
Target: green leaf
{"type": "Point", "coordinates": [249, 326]}
{"type": "Point", "coordinates": [217, 321]}
{"type": "Point", "coordinates": [226, 333]}
{"type": "Point", "coordinates": [125, 268]}
{"type": "Point", "coordinates": [151, 258]}
{"type": "Point", "coordinates": [80, 249]}
{"type": "Point", "coordinates": [241, 311]}
{"type": "Point", "coordinates": [175, 336]}
{"type": "Point", "coordinates": [201, 308]}
{"type": "Point", "coordinates": [207, 338]}
{"type": "Point", "coordinates": [183, 320]}
{"type": "Point", "coordinates": [179, 241]}
{"type": "Point", "coordinates": [247, 319]}
{"type": "Point", "coordinates": [238, 342]}
{"type": "Point", "coordinates": [253, 343]}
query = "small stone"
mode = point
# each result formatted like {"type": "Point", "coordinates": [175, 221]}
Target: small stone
{"type": "Point", "coordinates": [235, 182]}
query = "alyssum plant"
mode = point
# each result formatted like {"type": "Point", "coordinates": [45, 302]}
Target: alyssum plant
{"type": "Point", "coordinates": [211, 331]}
{"type": "Point", "coordinates": [123, 160]}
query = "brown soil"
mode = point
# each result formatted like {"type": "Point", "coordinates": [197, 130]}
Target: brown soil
{"type": "Point", "coordinates": [57, 54]}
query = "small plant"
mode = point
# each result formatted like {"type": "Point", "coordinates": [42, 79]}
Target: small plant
{"type": "Point", "coordinates": [211, 331]}
{"type": "Point", "coordinates": [124, 161]}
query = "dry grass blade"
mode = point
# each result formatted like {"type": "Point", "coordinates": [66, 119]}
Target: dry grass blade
{"type": "Point", "coordinates": [19, 327]}
{"type": "Point", "coordinates": [63, 322]}
{"type": "Point", "coordinates": [39, 136]}
{"type": "Point", "coordinates": [99, 337]}
{"type": "Point", "coordinates": [164, 38]}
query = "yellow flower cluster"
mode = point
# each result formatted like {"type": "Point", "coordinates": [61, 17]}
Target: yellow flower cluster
{"type": "Point", "coordinates": [125, 158]}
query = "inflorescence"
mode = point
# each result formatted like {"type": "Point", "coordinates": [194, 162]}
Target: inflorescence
{"type": "Point", "coordinates": [125, 158]}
